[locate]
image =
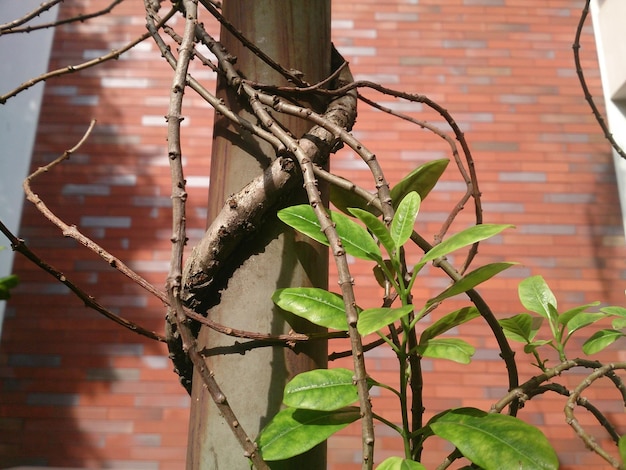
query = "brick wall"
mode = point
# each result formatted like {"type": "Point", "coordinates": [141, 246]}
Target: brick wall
{"type": "Point", "coordinates": [77, 390]}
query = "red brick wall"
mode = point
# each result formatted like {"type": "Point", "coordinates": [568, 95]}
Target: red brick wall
{"type": "Point", "coordinates": [79, 391]}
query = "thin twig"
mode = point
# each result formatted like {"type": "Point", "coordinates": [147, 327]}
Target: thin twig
{"type": "Point", "coordinates": [114, 54]}
{"type": "Point", "coordinates": [18, 245]}
{"type": "Point", "coordinates": [73, 19]}
{"type": "Point", "coordinates": [583, 84]}
{"type": "Point", "coordinates": [7, 27]}
{"type": "Point", "coordinates": [179, 238]}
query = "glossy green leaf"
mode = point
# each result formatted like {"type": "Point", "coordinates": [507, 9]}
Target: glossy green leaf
{"type": "Point", "coordinates": [398, 463]}
{"type": "Point", "coordinates": [582, 320]}
{"type": "Point", "coordinates": [303, 219]}
{"type": "Point", "coordinates": [449, 321]}
{"type": "Point", "coordinates": [453, 349]}
{"type": "Point", "coordinates": [466, 237]}
{"type": "Point", "coordinates": [404, 219]}
{"type": "Point", "coordinates": [618, 323]}
{"type": "Point", "coordinates": [321, 389]}
{"type": "Point", "coordinates": [536, 296]}
{"type": "Point", "coordinates": [519, 327]}
{"type": "Point", "coordinates": [421, 180]}
{"type": "Point", "coordinates": [376, 226]}
{"type": "Point", "coordinates": [471, 280]}
{"type": "Point", "coordinates": [614, 310]}
{"type": "Point", "coordinates": [600, 340]}
{"type": "Point", "coordinates": [344, 199]}
{"type": "Point", "coordinates": [294, 431]}
{"type": "Point", "coordinates": [496, 442]}
{"type": "Point", "coordinates": [319, 306]}
{"type": "Point", "coordinates": [355, 239]}
{"type": "Point", "coordinates": [566, 316]}
{"type": "Point", "coordinates": [374, 319]}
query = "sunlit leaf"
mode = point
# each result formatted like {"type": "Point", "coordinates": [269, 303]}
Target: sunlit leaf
{"type": "Point", "coordinates": [321, 389]}
{"type": "Point", "coordinates": [404, 219]}
{"type": "Point", "coordinates": [519, 327]}
{"type": "Point", "coordinates": [566, 316]}
{"type": "Point", "coordinates": [471, 280]}
{"type": "Point", "coordinates": [600, 340]}
{"type": "Point", "coordinates": [614, 310]}
{"type": "Point", "coordinates": [449, 321]}
{"type": "Point", "coordinates": [421, 180]}
{"type": "Point", "coordinates": [374, 319]}
{"type": "Point", "coordinates": [496, 442]}
{"type": "Point", "coordinates": [398, 463]}
{"type": "Point", "coordinates": [467, 237]}
{"type": "Point", "coordinates": [618, 323]}
{"type": "Point", "coordinates": [355, 239]}
{"type": "Point", "coordinates": [319, 306]}
{"type": "Point", "coordinates": [536, 296]}
{"type": "Point", "coordinates": [376, 226]}
{"type": "Point", "coordinates": [453, 349]}
{"type": "Point", "coordinates": [303, 219]}
{"type": "Point", "coordinates": [294, 431]}
{"type": "Point", "coordinates": [582, 320]}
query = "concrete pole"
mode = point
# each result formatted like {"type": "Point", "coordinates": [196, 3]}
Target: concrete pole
{"type": "Point", "coordinates": [296, 34]}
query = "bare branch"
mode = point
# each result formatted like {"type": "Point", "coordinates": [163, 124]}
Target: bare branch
{"type": "Point", "coordinates": [583, 83]}
{"type": "Point", "coordinates": [18, 245]}
{"type": "Point", "coordinates": [115, 54]}
{"type": "Point", "coordinates": [10, 28]}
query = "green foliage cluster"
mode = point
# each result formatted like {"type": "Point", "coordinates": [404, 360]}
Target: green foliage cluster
{"type": "Point", "coordinates": [321, 402]}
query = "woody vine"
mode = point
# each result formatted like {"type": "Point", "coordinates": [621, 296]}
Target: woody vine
{"type": "Point", "coordinates": [378, 228]}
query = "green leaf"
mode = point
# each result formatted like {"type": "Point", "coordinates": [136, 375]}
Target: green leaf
{"type": "Point", "coordinates": [319, 306]}
{"type": "Point", "coordinates": [466, 237]}
{"type": "Point", "coordinates": [536, 296]}
{"type": "Point", "coordinates": [293, 431]}
{"type": "Point", "coordinates": [622, 448]}
{"type": "Point", "coordinates": [471, 280]}
{"type": "Point", "coordinates": [566, 316]}
{"type": "Point", "coordinates": [321, 389]}
{"type": "Point", "coordinates": [614, 310]}
{"type": "Point", "coordinates": [582, 320]}
{"type": "Point", "coordinates": [496, 442]}
{"type": "Point", "coordinates": [355, 239]}
{"type": "Point", "coordinates": [448, 322]}
{"type": "Point", "coordinates": [376, 226]}
{"type": "Point", "coordinates": [519, 327]}
{"type": "Point", "coordinates": [452, 349]}
{"type": "Point", "coordinates": [421, 180]}
{"type": "Point", "coordinates": [398, 463]}
{"type": "Point", "coordinates": [374, 319]}
{"type": "Point", "coordinates": [618, 323]}
{"type": "Point", "coordinates": [10, 281]}
{"type": "Point", "coordinates": [303, 219]}
{"type": "Point", "coordinates": [404, 219]}
{"type": "Point", "coordinates": [344, 199]}
{"type": "Point", "coordinates": [531, 347]}
{"type": "Point", "coordinates": [600, 340]}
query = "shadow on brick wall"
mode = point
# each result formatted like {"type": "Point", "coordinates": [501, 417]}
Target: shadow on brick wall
{"type": "Point", "coordinates": [76, 389]}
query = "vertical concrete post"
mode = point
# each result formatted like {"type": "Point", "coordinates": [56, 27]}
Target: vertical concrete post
{"type": "Point", "coordinates": [297, 35]}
